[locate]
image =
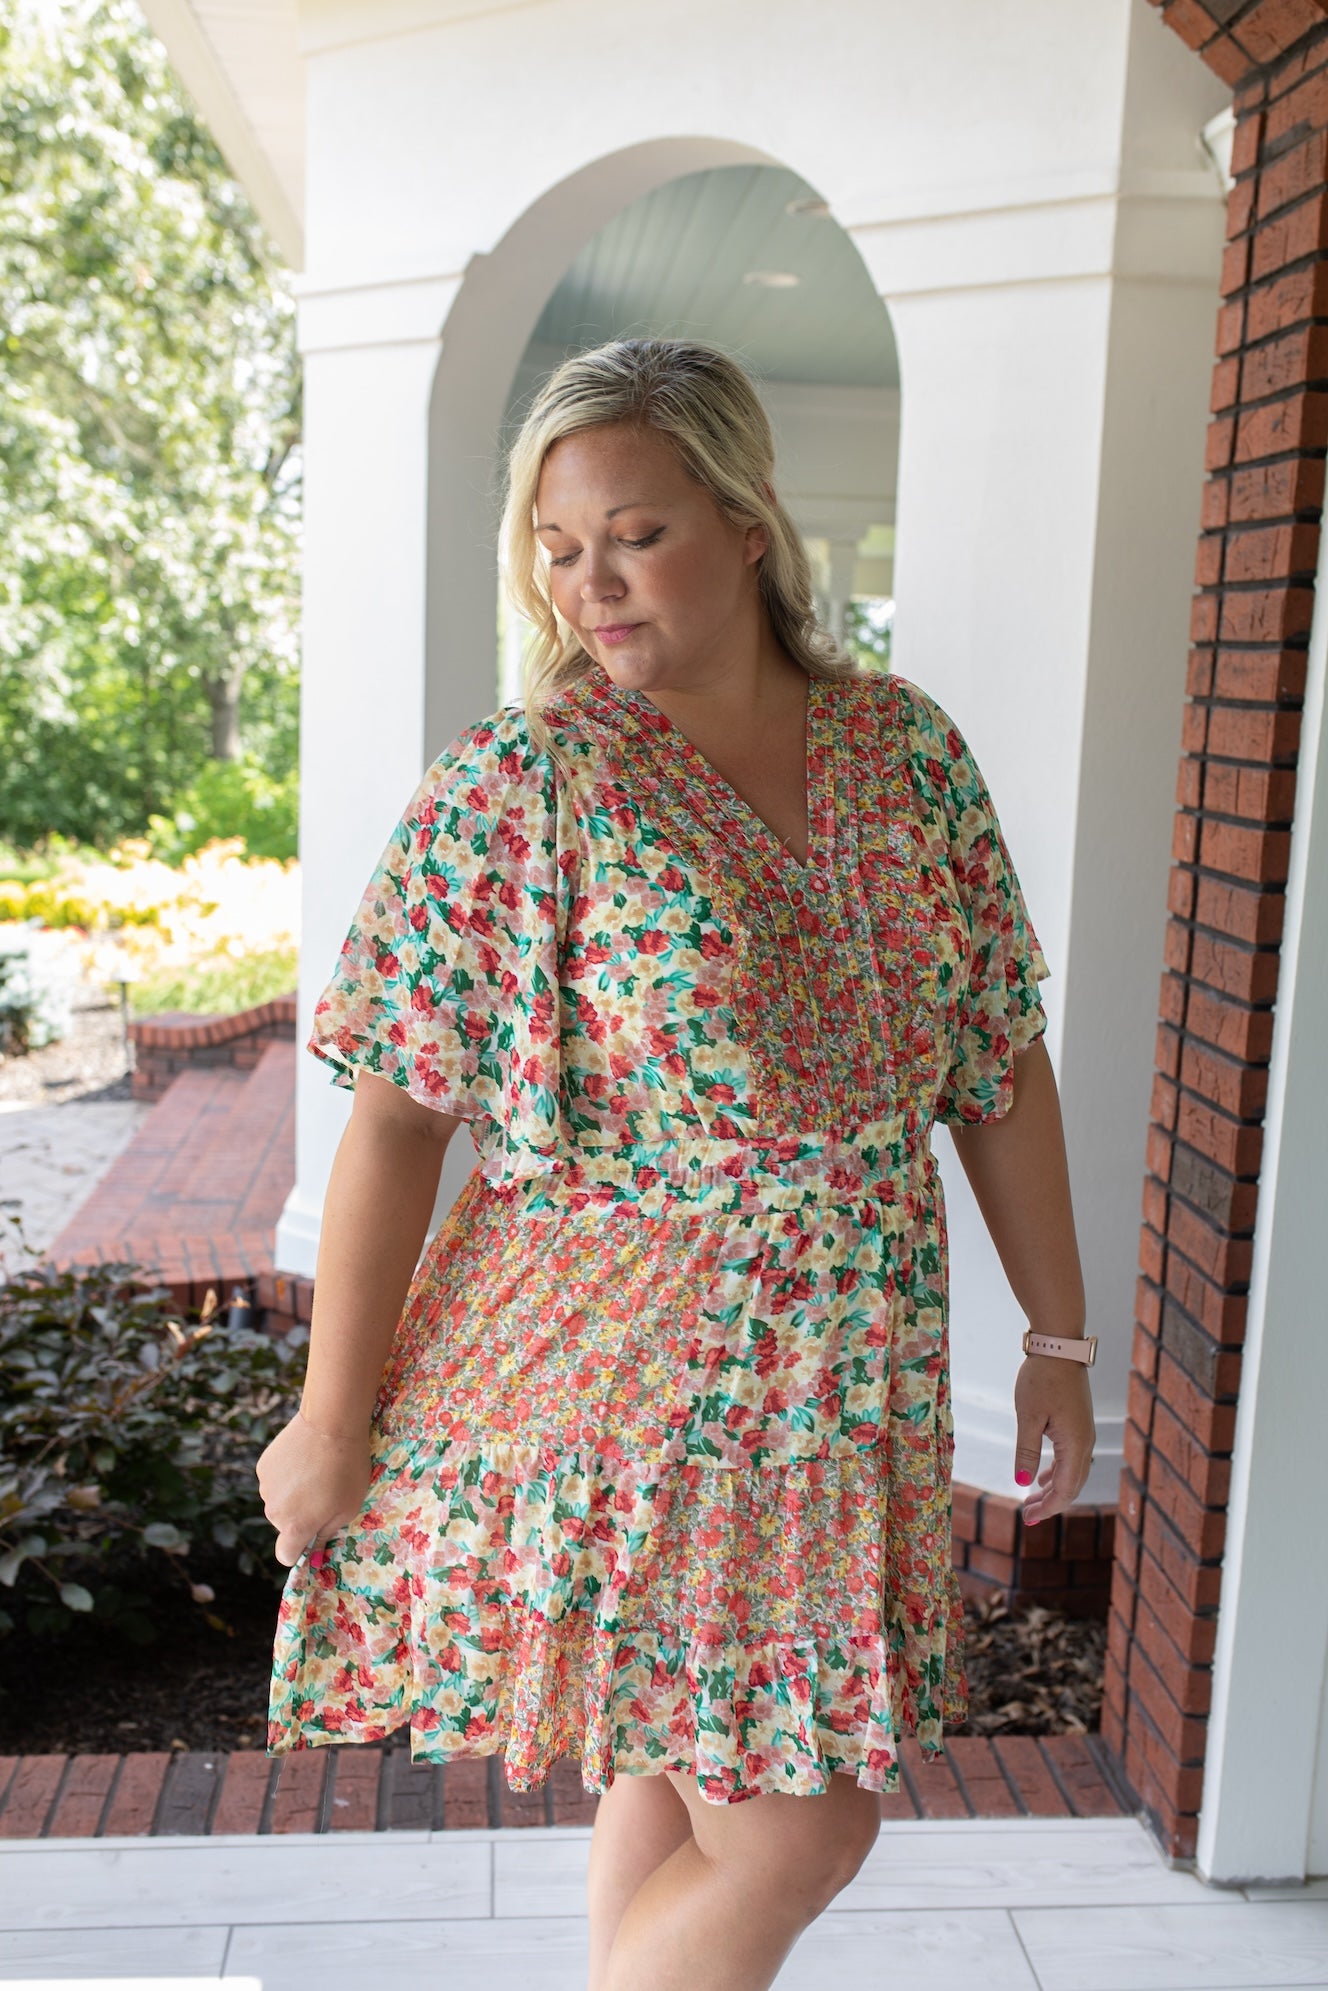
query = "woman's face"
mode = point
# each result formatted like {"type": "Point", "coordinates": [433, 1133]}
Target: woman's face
{"type": "Point", "coordinates": [659, 586]}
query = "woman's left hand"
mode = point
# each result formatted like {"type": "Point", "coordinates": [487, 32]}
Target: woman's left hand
{"type": "Point", "coordinates": [1052, 1399]}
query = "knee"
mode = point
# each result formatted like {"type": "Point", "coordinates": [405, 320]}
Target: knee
{"type": "Point", "coordinates": [844, 1849]}
{"type": "Point", "coordinates": [827, 1857]}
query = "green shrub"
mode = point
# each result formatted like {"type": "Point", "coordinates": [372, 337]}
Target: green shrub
{"type": "Point", "coordinates": [230, 798]}
{"type": "Point", "coordinates": [128, 1441]}
{"type": "Point", "coordinates": [219, 987]}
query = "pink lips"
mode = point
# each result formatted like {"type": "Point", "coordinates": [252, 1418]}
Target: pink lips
{"type": "Point", "coordinates": [613, 632]}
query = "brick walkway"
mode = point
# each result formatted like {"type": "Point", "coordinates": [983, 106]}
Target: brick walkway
{"type": "Point", "coordinates": [330, 1789]}
{"type": "Point", "coordinates": [198, 1191]}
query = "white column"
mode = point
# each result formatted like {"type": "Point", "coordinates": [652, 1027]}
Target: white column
{"type": "Point", "coordinates": [1265, 1795]}
{"type": "Point", "coordinates": [370, 357]}
{"type": "Point", "coordinates": [1054, 369]}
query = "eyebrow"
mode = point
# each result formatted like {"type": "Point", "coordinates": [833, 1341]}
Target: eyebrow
{"type": "Point", "coordinates": [632, 503]}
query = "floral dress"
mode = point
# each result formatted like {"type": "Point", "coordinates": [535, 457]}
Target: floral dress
{"type": "Point", "coordinates": [661, 1450]}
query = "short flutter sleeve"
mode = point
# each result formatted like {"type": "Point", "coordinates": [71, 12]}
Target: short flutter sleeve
{"type": "Point", "coordinates": [1001, 1011]}
{"type": "Point", "coordinates": [447, 981]}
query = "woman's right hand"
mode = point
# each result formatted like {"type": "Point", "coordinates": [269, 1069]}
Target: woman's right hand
{"type": "Point", "coordinates": [312, 1483]}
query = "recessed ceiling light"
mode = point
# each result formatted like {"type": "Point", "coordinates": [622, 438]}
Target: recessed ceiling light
{"type": "Point", "coordinates": [807, 204]}
{"type": "Point", "coordinates": [773, 279]}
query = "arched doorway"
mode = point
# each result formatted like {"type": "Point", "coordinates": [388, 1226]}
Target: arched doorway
{"type": "Point", "coordinates": [684, 236]}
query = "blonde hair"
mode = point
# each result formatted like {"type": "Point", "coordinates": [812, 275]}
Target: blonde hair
{"type": "Point", "coordinates": [705, 403]}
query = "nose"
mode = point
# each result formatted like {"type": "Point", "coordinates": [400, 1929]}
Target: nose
{"type": "Point", "coordinates": [598, 579]}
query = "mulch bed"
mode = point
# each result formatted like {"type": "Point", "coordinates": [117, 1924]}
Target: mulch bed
{"type": "Point", "coordinates": [90, 1063]}
{"type": "Point", "coordinates": [1031, 1672]}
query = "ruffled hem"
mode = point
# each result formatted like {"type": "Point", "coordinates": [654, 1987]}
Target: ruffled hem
{"type": "Point", "coordinates": [498, 1600]}
{"type": "Point", "coordinates": [779, 1714]}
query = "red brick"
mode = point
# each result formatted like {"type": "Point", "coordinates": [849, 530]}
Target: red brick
{"type": "Point", "coordinates": [1265, 676]}
{"type": "Point", "coordinates": [1200, 1584]}
{"type": "Point", "coordinates": [518, 1808]}
{"type": "Point", "coordinates": [1306, 105]}
{"type": "Point", "coordinates": [1194, 729]}
{"type": "Point", "coordinates": [1166, 1055]}
{"type": "Point", "coordinates": [244, 1786]}
{"type": "Point", "coordinates": [82, 1799]}
{"type": "Point", "coordinates": [932, 1782]}
{"type": "Point", "coordinates": [997, 1568]}
{"type": "Point", "coordinates": [978, 1769]}
{"type": "Point", "coordinates": [1001, 1518]}
{"type": "Point", "coordinates": [1134, 1444]}
{"type": "Point", "coordinates": [1238, 1089]}
{"type": "Point", "coordinates": [1079, 1776]}
{"type": "Point", "coordinates": [466, 1793]}
{"type": "Point", "coordinates": [1030, 1774]}
{"type": "Point", "coordinates": [1208, 1477]}
{"type": "Point", "coordinates": [1139, 1402]}
{"type": "Point", "coordinates": [965, 1502]}
{"type": "Point", "coordinates": [1225, 389]}
{"type": "Point", "coordinates": [1233, 1028]}
{"type": "Point", "coordinates": [1181, 883]}
{"type": "Point", "coordinates": [1190, 1687]}
{"type": "Point", "coordinates": [573, 1804]}
{"type": "Point", "coordinates": [31, 1793]}
{"type": "Point", "coordinates": [1243, 973]}
{"type": "Point", "coordinates": [1222, 1259]}
{"type": "Point", "coordinates": [1193, 1633]}
{"type": "Point", "coordinates": [297, 1799]}
{"type": "Point", "coordinates": [1220, 1314]}
{"type": "Point", "coordinates": [1225, 1148]}
{"type": "Point", "coordinates": [1301, 171]}
{"type": "Point", "coordinates": [1288, 238]}
{"type": "Point", "coordinates": [1226, 59]}
{"type": "Point", "coordinates": [1269, 30]}
{"type": "Point", "coordinates": [1213, 1424]}
{"type": "Point", "coordinates": [1265, 795]}
{"type": "Point", "coordinates": [133, 1803]}
{"type": "Point", "coordinates": [1204, 1528]}
{"type": "Point", "coordinates": [1259, 854]}
{"type": "Point", "coordinates": [1219, 444]}
{"type": "Point", "coordinates": [356, 1772]}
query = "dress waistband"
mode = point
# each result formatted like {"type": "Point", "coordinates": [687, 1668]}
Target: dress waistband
{"type": "Point", "coordinates": [886, 1161]}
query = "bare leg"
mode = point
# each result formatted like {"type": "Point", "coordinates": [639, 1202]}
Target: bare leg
{"type": "Point", "coordinates": [639, 1821]}
{"type": "Point", "coordinates": [723, 1911]}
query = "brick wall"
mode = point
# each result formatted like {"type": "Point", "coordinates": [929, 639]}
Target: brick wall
{"type": "Point", "coordinates": [174, 1042]}
{"type": "Point", "coordinates": [1254, 577]}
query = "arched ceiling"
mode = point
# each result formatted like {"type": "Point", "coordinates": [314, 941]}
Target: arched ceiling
{"type": "Point", "coordinates": [673, 264]}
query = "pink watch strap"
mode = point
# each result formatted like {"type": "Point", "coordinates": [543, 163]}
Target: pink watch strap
{"type": "Point", "coordinates": [1075, 1347]}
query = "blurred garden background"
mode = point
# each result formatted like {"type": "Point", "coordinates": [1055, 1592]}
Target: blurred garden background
{"type": "Point", "coordinates": [149, 538]}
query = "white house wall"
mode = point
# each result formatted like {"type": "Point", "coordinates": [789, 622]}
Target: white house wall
{"type": "Point", "coordinates": [1025, 186]}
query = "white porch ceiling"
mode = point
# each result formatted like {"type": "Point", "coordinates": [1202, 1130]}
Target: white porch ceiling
{"type": "Point", "coordinates": [674, 263]}
{"type": "Point", "coordinates": [241, 63]}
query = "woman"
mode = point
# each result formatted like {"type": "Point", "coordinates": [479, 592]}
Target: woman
{"type": "Point", "coordinates": [648, 1460]}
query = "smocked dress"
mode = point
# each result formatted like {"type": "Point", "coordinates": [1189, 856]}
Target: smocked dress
{"type": "Point", "coordinates": [662, 1446]}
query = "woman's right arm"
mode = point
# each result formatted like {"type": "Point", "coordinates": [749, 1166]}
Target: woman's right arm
{"type": "Point", "coordinates": [380, 1195]}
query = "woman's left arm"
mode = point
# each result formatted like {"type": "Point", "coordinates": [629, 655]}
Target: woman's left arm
{"type": "Point", "coordinates": [1020, 1178]}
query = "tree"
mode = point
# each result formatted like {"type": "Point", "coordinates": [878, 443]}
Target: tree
{"type": "Point", "coordinates": [149, 437]}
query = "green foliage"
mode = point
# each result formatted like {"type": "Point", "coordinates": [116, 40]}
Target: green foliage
{"type": "Point", "coordinates": [230, 798]}
{"type": "Point", "coordinates": [149, 439]}
{"type": "Point", "coordinates": [867, 629]}
{"type": "Point", "coordinates": [128, 1441]}
{"type": "Point", "coordinates": [219, 988]}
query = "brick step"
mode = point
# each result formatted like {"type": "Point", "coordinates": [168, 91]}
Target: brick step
{"type": "Point", "coordinates": [337, 1788]}
{"type": "Point", "coordinates": [198, 1191]}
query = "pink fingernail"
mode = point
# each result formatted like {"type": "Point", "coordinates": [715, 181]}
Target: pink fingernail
{"type": "Point", "coordinates": [1023, 1478]}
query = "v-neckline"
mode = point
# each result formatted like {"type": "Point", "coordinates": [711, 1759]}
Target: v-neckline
{"type": "Point", "coordinates": [728, 800]}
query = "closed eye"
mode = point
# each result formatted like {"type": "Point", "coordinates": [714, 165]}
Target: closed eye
{"type": "Point", "coordinates": [566, 559]}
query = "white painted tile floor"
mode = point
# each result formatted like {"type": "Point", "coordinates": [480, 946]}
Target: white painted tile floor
{"type": "Point", "coordinates": [1008, 1905]}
